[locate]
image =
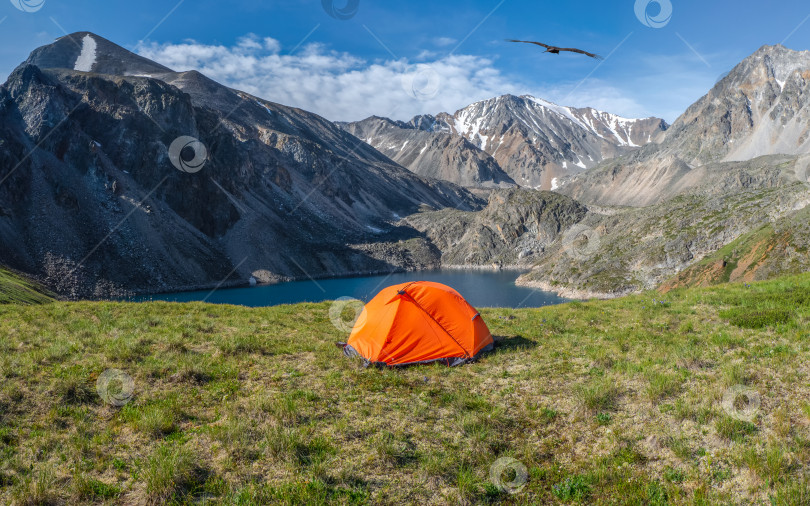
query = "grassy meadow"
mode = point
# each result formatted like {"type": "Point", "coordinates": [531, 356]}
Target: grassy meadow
{"type": "Point", "coordinates": [693, 397]}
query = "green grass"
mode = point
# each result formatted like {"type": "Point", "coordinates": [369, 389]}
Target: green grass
{"type": "Point", "coordinates": [171, 473]}
{"type": "Point", "coordinates": [756, 318]}
{"type": "Point", "coordinates": [603, 402]}
{"type": "Point", "coordinates": [734, 429]}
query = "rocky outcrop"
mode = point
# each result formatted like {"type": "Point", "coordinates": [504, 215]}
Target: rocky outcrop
{"type": "Point", "coordinates": [778, 248]}
{"type": "Point", "coordinates": [514, 228]}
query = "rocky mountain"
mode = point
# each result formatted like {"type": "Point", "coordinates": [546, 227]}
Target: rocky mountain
{"type": "Point", "coordinates": [439, 155]}
{"type": "Point", "coordinates": [758, 109]}
{"type": "Point", "coordinates": [722, 197]}
{"type": "Point", "coordinates": [533, 141]}
{"type": "Point", "coordinates": [617, 251]}
{"type": "Point", "coordinates": [515, 227]}
{"type": "Point", "coordinates": [91, 203]}
{"type": "Point", "coordinates": [777, 248]}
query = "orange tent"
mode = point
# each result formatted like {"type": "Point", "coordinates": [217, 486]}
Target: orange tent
{"type": "Point", "coordinates": [418, 322]}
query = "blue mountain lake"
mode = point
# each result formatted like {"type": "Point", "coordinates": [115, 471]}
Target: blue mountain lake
{"type": "Point", "coordinates": [482, 288]}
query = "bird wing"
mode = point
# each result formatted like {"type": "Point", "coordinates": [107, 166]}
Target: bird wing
{"type": "Point", "coordinates": [580, 51]}
{"type": "Point", "coordinates": [530, 42]}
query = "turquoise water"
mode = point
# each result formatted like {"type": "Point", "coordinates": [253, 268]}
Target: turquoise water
{"type": "Point", "coordinates": [480, 288]}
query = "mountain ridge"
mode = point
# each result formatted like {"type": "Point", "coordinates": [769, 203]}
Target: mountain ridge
{"type": "Point", "coordinates": [532, 140]}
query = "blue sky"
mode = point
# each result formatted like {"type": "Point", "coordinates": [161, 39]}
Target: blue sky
{"type": "Point", "coordinates": [402, 58]}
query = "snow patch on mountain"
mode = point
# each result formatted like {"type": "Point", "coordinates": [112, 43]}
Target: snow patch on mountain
{"type": "Point", "coordinates": [87, 58]}
{"type": "Point", "coordinates": [265, 107]}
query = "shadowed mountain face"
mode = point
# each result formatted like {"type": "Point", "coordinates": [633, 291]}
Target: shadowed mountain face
{"type": "Point", "coordinates": [758, 109]}
{"type": "Point", "coordinates": [92, 204]}
{"type": "Point", "coordinates": [532, 141]}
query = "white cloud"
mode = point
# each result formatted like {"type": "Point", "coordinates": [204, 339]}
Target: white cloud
{"type": "Point", "coordinates": [340, 86]}
{"type": "Point", "coordinates": [444, 41]}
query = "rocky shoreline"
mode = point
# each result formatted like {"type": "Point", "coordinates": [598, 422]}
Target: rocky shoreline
{"type": "Point", "coordinates": [568, 292]}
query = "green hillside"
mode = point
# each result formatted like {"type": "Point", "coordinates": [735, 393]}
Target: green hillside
{"type": "Point", "coordinates": [778, 248]}
{"type": "Point", "coordinates": [603, 402]}
{"type": "Point", "coordinates": [16, 290]}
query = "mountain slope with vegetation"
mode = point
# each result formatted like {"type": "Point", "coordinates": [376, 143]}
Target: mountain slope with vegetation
{"type": "Point", "coordinates": [15, 289]}
{"type": "Point", "coordinates": [698, 397]}
{"type": "Point", "coordinates": [777, 248]}
{"type": "Point", "coordinates": [616, 251]}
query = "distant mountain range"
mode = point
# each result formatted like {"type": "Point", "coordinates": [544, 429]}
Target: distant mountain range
{"type": "Point", "coordinates": [92, 203]}
{"type": "Point", "coordinates": [511, 140]}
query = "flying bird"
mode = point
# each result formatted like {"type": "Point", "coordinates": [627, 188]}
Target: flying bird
{"type": "Point", "coordinates": [556, 50]}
